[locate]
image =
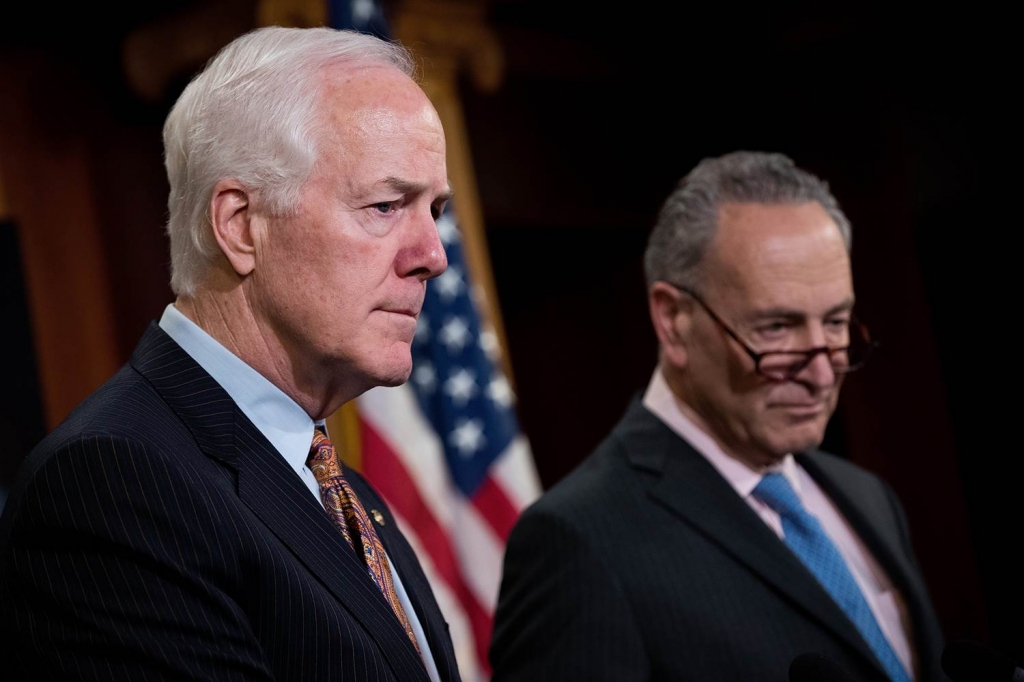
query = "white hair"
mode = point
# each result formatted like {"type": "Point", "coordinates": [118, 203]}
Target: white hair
{"type": "Point", "coordinates": [251, 115]}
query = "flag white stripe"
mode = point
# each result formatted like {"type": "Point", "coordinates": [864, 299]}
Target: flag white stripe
{"type": "Point", "coordinates": [459, 627]}
{"type": "Point", "coordinates": [393, 414]}
{"type": "Point", "coordinates": [480, 553]}
{"type": "Point", "coordinates": [515, 473]}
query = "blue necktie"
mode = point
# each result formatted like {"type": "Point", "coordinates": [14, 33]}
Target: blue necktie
{"type": "Point", "coordinates": [807, 539]}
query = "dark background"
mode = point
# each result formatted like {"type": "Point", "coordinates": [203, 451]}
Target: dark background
{"type": "Point", "coordinates": [599, 114]}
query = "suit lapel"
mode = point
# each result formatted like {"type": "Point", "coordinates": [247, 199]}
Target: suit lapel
{"type": "Point", "coordinates": [415, 582]}
{"type": "Point", "coordinates": [272, 491]}
{"type": "Point", "coordinates": [866, 523]}
{"type": "Point", "coordinates": [270, 488]}
{"type": "Point", "coordinates": [689, 486]}
{"type": "Point", "coordinates": [866, 520]}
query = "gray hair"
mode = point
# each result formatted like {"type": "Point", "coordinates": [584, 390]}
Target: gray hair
{"type": "Point", "coordinates": [251, 115]}
{"type": "Point", "coordinates": [688, 219]}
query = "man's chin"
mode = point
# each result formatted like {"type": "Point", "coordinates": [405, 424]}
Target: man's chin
{"type": "Point", "coordinates": [391, 367]}
{"type": "Point", "coordinates": [392, 381]}
{"type": "Point", "coordinates": [394, 376]}
{"type": "Point", "coordinates": [800, 442]}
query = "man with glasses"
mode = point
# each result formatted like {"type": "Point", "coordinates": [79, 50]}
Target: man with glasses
{"type": "Point", "coordinates": [706, 538]}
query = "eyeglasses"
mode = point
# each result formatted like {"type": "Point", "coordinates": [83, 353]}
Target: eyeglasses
{"type": "Point", "coordinates": [784, 365]}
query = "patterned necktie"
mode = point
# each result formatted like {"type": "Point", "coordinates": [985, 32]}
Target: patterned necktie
{"type": "Point", "coordinates": [351, 519]}
{"type": "Point", "coordinates": [805, 536]}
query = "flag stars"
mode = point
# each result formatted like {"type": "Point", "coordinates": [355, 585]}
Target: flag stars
{"type": "Point", "coordinates": [447, 230]}
{"type": "Point", "coordinates": [500, 391]}
{"type": "Point", "coordinates": [467, 436]}
{"type": "Point", "coordinates": [449, 284]}
{"type": "Point", "coordinates": [489, 344]}
{"type": "Point", "coordinates": [461, 386]}
{"type": "Point", "coordinates": [425, 377]}
{"type": "Point", "coordinates": [455, 335]}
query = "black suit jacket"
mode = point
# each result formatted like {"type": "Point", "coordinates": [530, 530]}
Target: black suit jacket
{"type": "Point", "coordinates": [156, 534]}
{"type": "Point", "coordinates": [644, 564]}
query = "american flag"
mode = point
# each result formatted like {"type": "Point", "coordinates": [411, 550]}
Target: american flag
{"type": "Point", "coordinates": [445, 449]}
{"type": "Point", "coordinates": [446, 453]}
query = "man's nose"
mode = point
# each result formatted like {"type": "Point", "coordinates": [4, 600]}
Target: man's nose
{"type": "Point", "coordinates": [819, 372]}
{"type": "Point", "coordinates": [424, 255]}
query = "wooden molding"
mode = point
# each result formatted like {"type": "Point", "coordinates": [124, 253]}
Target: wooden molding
{"type": "Point", "coordinates": [157, 54]}
{"type": "Point", "coordinates": [452, 36]}
{"type": "Point", "coordinates": [301, 13]}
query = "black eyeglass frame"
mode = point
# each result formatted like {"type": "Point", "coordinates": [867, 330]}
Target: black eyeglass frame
{"type": "Point", "coordinates": [856, 327]}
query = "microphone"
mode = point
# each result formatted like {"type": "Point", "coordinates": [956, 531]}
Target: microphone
{"type": "Point", "coordinates": [815, 667]}
{"type": "Point", "coordinates": [966, 661]}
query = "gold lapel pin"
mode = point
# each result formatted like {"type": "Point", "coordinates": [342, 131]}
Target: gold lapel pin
{"type": "Point", "coordinates": [377, 516]}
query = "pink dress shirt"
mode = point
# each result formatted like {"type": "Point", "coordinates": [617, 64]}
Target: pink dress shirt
{"type": "Point", "coordinates": [886, 604]}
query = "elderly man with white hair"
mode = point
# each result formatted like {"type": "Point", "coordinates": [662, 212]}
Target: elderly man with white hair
{"type": "Point", "coordinates": [191, 518]}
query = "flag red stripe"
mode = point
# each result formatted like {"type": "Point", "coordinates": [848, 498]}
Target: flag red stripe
{"type": "Point", "coordinates": [384, 469]}
{"type": "Point", "coordinates": [495, 506]}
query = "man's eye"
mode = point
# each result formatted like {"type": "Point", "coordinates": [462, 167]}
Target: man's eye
{"type": "Point", "coordinates": [385, 206]}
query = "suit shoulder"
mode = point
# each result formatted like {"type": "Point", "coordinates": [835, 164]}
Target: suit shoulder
{"type": "Point", "coordinates": [120, 420]}
{"type": "Point", "coordinates": [125, 405]}
{"type": "Point", "coordinates": [584, 492]}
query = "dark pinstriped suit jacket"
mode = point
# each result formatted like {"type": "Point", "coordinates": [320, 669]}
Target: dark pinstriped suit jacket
{"type": "Point", "coordinates": [644, 564]}
{"type": "Point", "coordinates": [156, 534]}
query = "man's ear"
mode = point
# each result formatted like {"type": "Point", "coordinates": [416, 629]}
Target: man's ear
{"type": "Point", "coordinates": [231, 218]}
{"type": "Point", "coordinates": [671, 315]}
